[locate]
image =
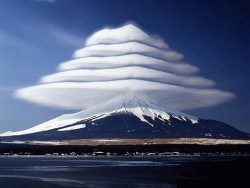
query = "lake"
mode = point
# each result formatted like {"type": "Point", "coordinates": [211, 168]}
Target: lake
{"type": "Point", "coordinates": [127, 171]}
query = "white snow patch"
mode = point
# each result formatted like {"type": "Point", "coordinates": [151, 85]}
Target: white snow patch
{"type": "Point", "coordinates": [73, 127]}
{"type": "Point", "coordinates": [208, 134]}
{"type": "Point", "coordinates": [46, 126]}
{"type": "Point", "coordinates": [176, 117]}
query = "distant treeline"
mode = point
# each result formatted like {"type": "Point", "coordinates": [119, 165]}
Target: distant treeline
{"type": "Point", "coordinates": [121, 149]}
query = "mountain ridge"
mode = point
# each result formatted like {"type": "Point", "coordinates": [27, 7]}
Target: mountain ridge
{"type": "Point", "coordinates": [128, 115]}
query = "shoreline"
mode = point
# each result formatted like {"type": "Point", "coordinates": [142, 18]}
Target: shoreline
{"type": "Point", "coordinates": [143, 141]}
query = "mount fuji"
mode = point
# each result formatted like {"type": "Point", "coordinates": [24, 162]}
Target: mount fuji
{"type": "Point", "coordinates": [128, 116]}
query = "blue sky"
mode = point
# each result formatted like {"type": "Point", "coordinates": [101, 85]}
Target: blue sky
{"type": "Point", "coordinates": [37, 35]}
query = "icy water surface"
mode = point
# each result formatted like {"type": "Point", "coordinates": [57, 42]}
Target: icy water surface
{"type": "Point", "coordinates": [143, 172]}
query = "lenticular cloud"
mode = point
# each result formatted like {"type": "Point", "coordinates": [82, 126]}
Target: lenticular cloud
{"type": "Point", "coordinates": [124, 58]}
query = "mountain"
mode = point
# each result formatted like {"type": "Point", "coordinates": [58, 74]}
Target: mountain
{"type": "Point", "coordinates": [128, 115]}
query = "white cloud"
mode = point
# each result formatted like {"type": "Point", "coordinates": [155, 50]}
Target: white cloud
{"type": "Point", "coordinates": [124, 73]}
{"type": "Point", "coordinates": [81, 95]}
{"type": "Point", "coordinates": [134, 61]}
{"type": "Point", "coordinates": [126, 33]}
{"type": "Point", "coordinates": [127, 48]}
{"type": "Point", "coordinates": [128, 60]}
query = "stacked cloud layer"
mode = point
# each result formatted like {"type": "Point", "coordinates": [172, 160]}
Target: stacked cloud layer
{"type": "Point", "coordinates": [125, 58]}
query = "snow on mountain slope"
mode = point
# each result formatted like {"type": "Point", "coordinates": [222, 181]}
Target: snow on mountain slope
{"type": "Point", "coordinates": [127, 102]}
{"type": "Point", "coordinates": [74, 127]}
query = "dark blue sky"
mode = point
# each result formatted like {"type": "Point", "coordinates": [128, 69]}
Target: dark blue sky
{"type": "Point", "coordinates": [37, 35]}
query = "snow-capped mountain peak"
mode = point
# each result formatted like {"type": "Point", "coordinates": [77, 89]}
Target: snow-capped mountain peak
{"type": "Point", "coordinates": [134, 103]}
{"type": "Point", "coordinates": [127, 102]}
